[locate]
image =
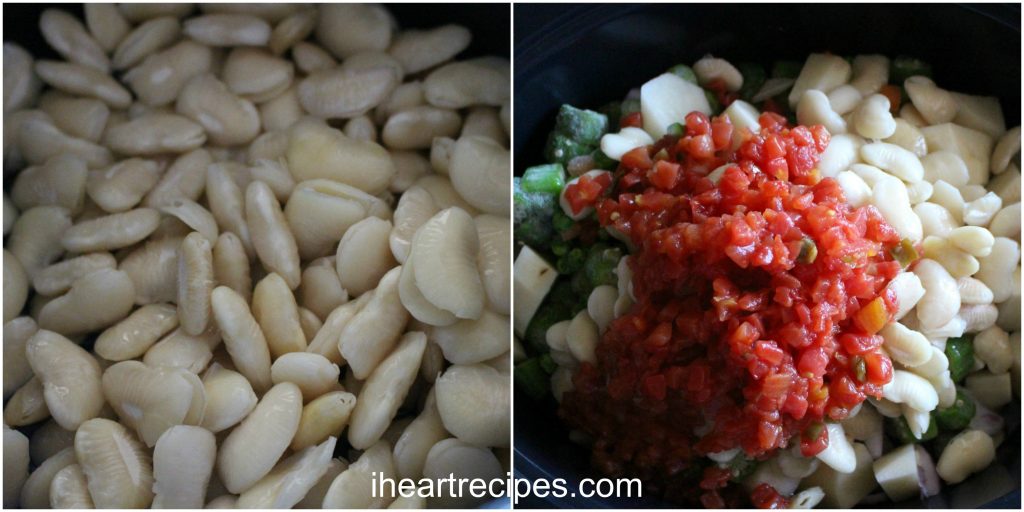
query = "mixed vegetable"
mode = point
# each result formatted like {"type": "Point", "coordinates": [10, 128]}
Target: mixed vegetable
{"type": "Point", "coordinates": [571, 261]}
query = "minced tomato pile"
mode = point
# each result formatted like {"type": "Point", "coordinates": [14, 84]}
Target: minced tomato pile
{"type": "Point", "coordinates": [759, 300]}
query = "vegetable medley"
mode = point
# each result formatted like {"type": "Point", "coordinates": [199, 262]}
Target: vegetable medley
{"type": "Point", "coordinates": [776, 288]}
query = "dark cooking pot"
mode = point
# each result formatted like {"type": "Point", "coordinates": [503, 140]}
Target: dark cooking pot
{"type": "Point", "coordinates": [589, 55]}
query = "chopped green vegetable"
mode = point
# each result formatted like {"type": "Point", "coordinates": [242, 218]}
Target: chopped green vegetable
{"type": "Point", "coordinates": [600, 266]}
{"type": "Point", "coordinates": [531, 378]}
{"type": "Point", "coordinates": [900, 430]}
{"type": "Point", "coordinates": [676, 129]}
{"type": "Point", "coordinates": [860, 369]}
{"type": "Point", "coordinates": [683, 71]}
{"type": "Point", "coordinates": [532, 215]}
{"type": "Point", "coordinates": [583, 126]}
{"type": "Point", "coordinates": [960, 352]}
{"type": "Point", "coordinates": [545, 179]}
{"type": "Point", "coordinates": [716, 106]}
{"type": "Point", "coordinates": [808, 251]}
{"type": "Point", "coordinates": [548, 364]}
{"type": "Point", "coordinates": [630, 106]}
{"type": "Point", "coordinates": [559, 247]}
{"type": "Point", "coordinates": [905, 253]}
{"type": "Point", "coordinates": [753, 78]}
{"type": "Point", "coordinates": [561, 221]}
{"type": "Point", "coordinates": [561, 149]}
{"type": "Point", "coordinates": [786, 69]}
{"type": "Point", "coordinates": [603, 161]}
{"type": "Point", "coordinates": [957, 416]}
{"type": "Point", "coordinates": [572, 262]}
{"type": "Point", "coordinates": [741, 467]}
{"type": "Point", "coordinates": [904, 67]}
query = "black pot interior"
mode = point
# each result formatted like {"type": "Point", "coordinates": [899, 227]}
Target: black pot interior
{"type": "Point", "coordinates": [589, 55]}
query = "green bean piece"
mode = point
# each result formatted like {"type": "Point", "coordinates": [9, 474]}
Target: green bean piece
{"type": "Point", "coordinates": [572, 262]}
{"type": "Point", "coordinates": [683, 71]}
{"type": "Point", "coordinates": [676, 129]}
{"type": "Point", "coordinates": [786, 69]}
{"type": "Point", "coordinates": [960, 352]}
{"type": "Point", "coordinates": [531, 378]}
{"type": "Point", "coordinates": [899, 429]}
{"type": "Point", "coordinates": [956, 417]}
{"type": "Point", "coordinates": [583, 126]}
{"type": "Point", "coordinates": [600, 266]}
{"type": "Point", "coordinates": [753, 78]}
{"type": "Point", "coordinates": [716, 106]}
{"type": "Point", "coordinates": [532, 215]}
{"type": "Point", "coordinates": [561, 149]}
{"type": "Point", "coordinates": [544, 179]}
{"type": "Point", "coordinates": [903, 67]}
{"type": "Point", "coordinates": [548, 364]}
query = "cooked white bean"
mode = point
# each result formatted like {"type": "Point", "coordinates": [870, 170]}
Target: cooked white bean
{"type": "Point", "coordinates": [354, 487]}
{"type": "Point", "coordinates": [345, 93]}
{"type": "Point", "coordinates": [36, 491]}
{"type": "Point", "coordinates": [841, 153]}
{"type": "Point", "coordinates": [27, 405]}
{"type": "Point", "coordinates": [153, 270]}
{"type": "Point", "coordinates": [582, 337]}
{"type": "Point", "coordinates": [973, 146]}
{"type": "Point", "coordinates": [814, 108]}
{"type": "Point", "coordinates": [978, 317]}
{"type": "Point", "coordinates": [229, 398]}
{"type": "Point", "coordinates": [116, 465]}
{"type": "Point", "coordinates": [906, 346]}
{"type": "Point", "coordinates": [444, 252]}
{"type": "Point", "coordinates": [83, 81]}
{"type": "Point", "coordinates": [870, 73]}
{"type": "Point", "coordinates": [16, 460]}
{"type": "Point", "coordinates": [228, 30]}
{"type": "Point", "coordinates": [348, 29]}
{"type": "Point", "coordinates": [908, 137]}
{"type": "Point", "coordinates": [181, 350]}
{"type": "Point", "coordinates": [456, 458]}
{"type": "Point", "coordinates": [872, 119]}
{"type": "Point", "coordinates": [473, 341]}
{"type": "Point", "coordinates": [323, 417]}
{"type": "Point", "coordinates": [418, 50]}
{"type": "Point", "coordinates": [1006, 222]}
{"type": "Point", "coordinates": [275, 309]}
{"type": "Point", "coordinates": [314, 374]}
{"type": "Point", "coordinates": [968, 452]}
{"type": "Point", "coordinates": [161, 76]}
{"type": "Point", "coordinates": [271, 426]}
{"type": "Point", "coordinates": [1006, 148]}
{"type": "Point", "coordinates": [844, 99]}
{"type": "Point", "coordinates": [310, 58]}
{"type": "Point", "coordinates": [384, 391]}
{"type": "Point", "coordinates": [112, 231]}
{"type": "Point", "coordinates": [956, 261]}
{"type": "Point", "coordinates": [444, 193]}
{"type": "Point", "coordinates": [94, 301]}
{"type": "Point", "coordinates": [69, 375]}
{"type": "Point", "coordinates": [242, 336]}
{"type": "Point", "coordinates": [949, 197]}
{"type": "Point", "coordinates": [890, 197]}
{"type": "Point", "coordinates": [195, 283]}
{"type": "Point", "coordinates": [839, 454]}
{"type": "Point", "coordinates": [473, 403]}
{"type": "Point", "coordinates": [271, 237]}
{"type": "Point", "coordinates": [35, 238]}
{"type": "Point", "coordinates": [84, 118]}
{"type": "Point", "coordinates": [17, 371]}
{"type": "Point", "coordinates": [979, 212]}
{"type": "Point", "coordinates": [919, 192]}
{"type": "Point", "coordinates": [416, 304]}
{"type": "Point", "coordinates": [154, 134]}
{"type": "Point", "coordinates": [997, 266]}
{"type": "Point", "coordinates": [480, 81]}
{"type": "Point", "coordinates": [152, 400]}
{"type": "Point", "coordinates": [122, 186]}
{"type": "Point", "coordinates": [16, 287]}
{"type": "Point", "coordinates": [291, 479]}
{"type": "Point", "coordinates": [709, 69]}
{"type": "Point", "coordinates": [60, 181]}
{"type": "Point", "coordinates": [941, 300]}
{"type": "Point", "coordinates": [972, 239]}
{"type": "Point", "coordinates": [992, 346]}
{"type": "Point", "coordinates": [320, 292]}
{"type": "Point", "coordinates": [146, 39]}
{"type": "Point", "coordinates": [21, 84]}
{"type": "Point", "coordinates": [37, 139]}
{"type": "Point", "coordinates": [364, 255]}
{"type": "Point", "coordinates": [227, 119]}
{"type": "Point", "coordinates": [893, 159]}
{"type": "Point", "coordinates": [912, 390]}
{"type": "Point", "coordinates": [318, 151]}
{"type": "Point", "coordinates": [822, 72]}
{"type": "Point", "coordinates": [326, 341]}
{"type": "Point", "coordinates": [935, 105]}
{"type": "Point", "coordinates": [133, 336]}
{"type": "Point", "coordinates": [480, 170]}
{"type": "Point", "coordinates": [494, 260]}
{"type": "Point", "coordinates": [292, 29]}
{"type": "Point", "coordinates": [371, 334]}
{"type": "Point", "coordinates": [973, 291]}
{"type": "Point", "coordinates": [182, 466]}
